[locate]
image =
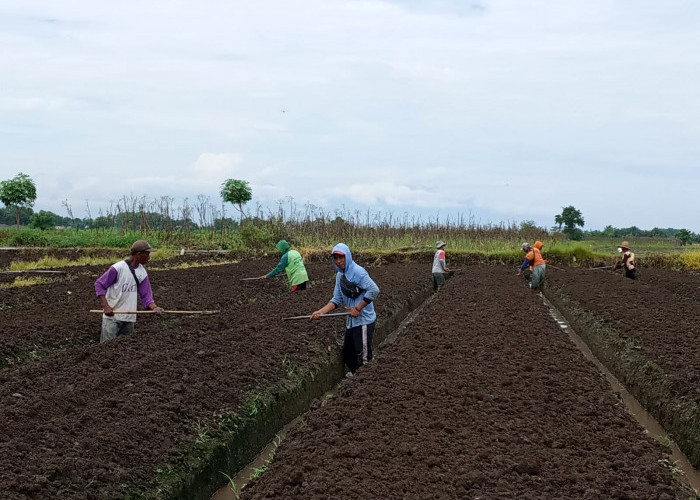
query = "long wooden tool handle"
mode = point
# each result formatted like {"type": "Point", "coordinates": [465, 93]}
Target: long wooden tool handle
{"type": "Point", "coordinates": [308, 316]}
{"type": "Point", "coordinates": [153, 312]}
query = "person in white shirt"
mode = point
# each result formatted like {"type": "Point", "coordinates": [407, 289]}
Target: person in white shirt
{"type": "Point", "coordinates": [439, 267]}
{"type": "Point", "coordinates": [117, 290]}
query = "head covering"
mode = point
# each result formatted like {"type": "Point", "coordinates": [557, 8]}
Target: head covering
{"type": "Point", "coordinates": [625, 244]}
{"type": "Point", "coordinates": [439, 244]}
{"type": "Point", "coordinates": [342, 249]}
{"type": "Point", "coordinates": [538, 245]}
{"type": "Point", "coordinates": [141, 246]}
{"type": "Point", "coordinates": [283, 246]}
{"type": "Point", "coordinates": [525, 246]}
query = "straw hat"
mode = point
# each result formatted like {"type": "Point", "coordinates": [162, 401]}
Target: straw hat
{"type": "Point", "coordinates": [625, 244]}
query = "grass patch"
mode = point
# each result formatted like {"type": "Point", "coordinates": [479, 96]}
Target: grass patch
{"type": "Point", "coordinates": [49, 262]}
{"type": "Point", "coordinates": [28, 281]}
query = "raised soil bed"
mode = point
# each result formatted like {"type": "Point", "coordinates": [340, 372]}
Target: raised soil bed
{"type": "Point", "coordinates": [482, 396]}
{"type": "Point", "coordinates": [135, 417]}
{"type": "Point", "coordinates": [646, 332]}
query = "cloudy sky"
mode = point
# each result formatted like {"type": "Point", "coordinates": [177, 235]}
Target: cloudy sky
{"type": "Point", "coordinates": [505, 110]}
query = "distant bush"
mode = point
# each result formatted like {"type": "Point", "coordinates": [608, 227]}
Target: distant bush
{"type": "Point", "coordinates": [31, 238]}
{"type": "Point", "coordinates": [42, 220]}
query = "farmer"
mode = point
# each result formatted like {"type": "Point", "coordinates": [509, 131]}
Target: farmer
{"type": "Point", "coordinates": [533, 260]}
{"type": "Point", "coordinates": [627, 261]}
{"type": "Point", "coordinates": [355, 290]}
{"type": "Point", "coordinates": [439, 267]}
{"type": "Point", "coordinates": [117, 288]}
{"type": "Point", "coordinates": [525, 269]}
{"type": "Point", "coordinates": [293, 264]}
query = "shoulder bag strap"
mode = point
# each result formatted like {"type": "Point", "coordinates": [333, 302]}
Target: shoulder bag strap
{"type": "Point", "coordinates": [133, 272]}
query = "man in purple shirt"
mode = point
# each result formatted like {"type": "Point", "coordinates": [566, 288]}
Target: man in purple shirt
{"type": "Point", "coordinates": [118, 288]}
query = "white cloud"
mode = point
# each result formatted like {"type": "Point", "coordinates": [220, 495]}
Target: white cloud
{"type": "Point", "coordinates": [460, 104]}
{"type": "Point", "coordinates": [216, 165]}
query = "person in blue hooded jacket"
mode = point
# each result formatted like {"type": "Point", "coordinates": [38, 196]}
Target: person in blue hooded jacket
{"type": "Point", "coordinates": [354, 290]}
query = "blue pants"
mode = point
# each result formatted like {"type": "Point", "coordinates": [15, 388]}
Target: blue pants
{"type": "Point", "coordinates": [357, 346]}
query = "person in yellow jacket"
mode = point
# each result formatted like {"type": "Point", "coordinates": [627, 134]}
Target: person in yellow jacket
{"type": "Point", "coordinates": [533, 260]}
{"type": "Point", "coordinates": [627, 261]}
{"type": "Point", "coordinates": [293, 264]}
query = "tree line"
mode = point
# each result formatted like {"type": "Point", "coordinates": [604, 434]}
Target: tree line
{"type": "Point", "coordinates": [133, 213]}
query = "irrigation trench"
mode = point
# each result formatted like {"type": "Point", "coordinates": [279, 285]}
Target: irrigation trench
{"type": "Point", "coordinates": [292, 405]}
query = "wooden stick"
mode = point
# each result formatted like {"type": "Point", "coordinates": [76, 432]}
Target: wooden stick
{"type": "Point", "coordinates": [34, 271]}
{"type": "Point", "coordinates": [153, 312]}
{"type": "Point", "coordinates": [308, 316]}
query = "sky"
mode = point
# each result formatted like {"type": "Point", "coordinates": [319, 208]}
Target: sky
{"type": "Point", "coordinates": [502, 111]}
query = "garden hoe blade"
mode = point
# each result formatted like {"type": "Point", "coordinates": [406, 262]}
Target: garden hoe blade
{"type": "Point", "coordinates": [308, 316]}
{"type": "Point", "coordinates": [602, 267]}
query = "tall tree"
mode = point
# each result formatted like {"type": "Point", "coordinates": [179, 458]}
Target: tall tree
{"type": "Point", "coordinates": [18, 192]}
{"type": "Point", "coordinates": [236, 192]}
{"type": "Point", "coordinates": [570, 218]}
{"type": "Point", "coordinates": [684, 236]}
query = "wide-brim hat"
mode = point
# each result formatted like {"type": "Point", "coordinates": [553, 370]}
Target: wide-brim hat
{"type": "Point", "coordinates": [525, 246]}
{"type": "Point", "coordinates": [439, 244]}
{"type": "Point", "coordinates": [625, 244]}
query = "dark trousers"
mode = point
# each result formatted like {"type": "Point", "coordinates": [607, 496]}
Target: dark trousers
{"type": "Point", "coordinates": [357, 346]}
{"type": "Point", "coordinates": [300, 286]}
{"type": "Point", "coordinates": [631, 274]}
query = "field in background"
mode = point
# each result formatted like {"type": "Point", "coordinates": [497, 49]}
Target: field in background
{"type": "Point", "coordinates": [500, 243]}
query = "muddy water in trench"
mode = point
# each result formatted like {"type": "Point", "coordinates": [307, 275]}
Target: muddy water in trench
{"type": "Point", "coordinates": [653, 428]}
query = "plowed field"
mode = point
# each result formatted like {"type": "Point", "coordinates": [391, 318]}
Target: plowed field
{"type": "Point", "coordinates": [482, 396]}
{"type": "Point", "coordinates": [93, 421]}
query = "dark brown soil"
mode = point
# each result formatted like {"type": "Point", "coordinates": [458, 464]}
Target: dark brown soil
{"type": "Point", "coordinates": [483, 396]}
{"type": "Point", "coordinates": [660, 311]}
{"type": "Point", "coordinates": [56, 314]}
{"type": "Point", "coordinates": [90, 422]}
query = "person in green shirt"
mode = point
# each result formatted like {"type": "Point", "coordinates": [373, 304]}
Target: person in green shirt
{"type": "Point", "coordinates": [293, 264]}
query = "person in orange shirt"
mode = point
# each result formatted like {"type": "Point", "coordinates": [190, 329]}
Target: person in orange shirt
{"type": "Point", "coordinates": [533, 260]}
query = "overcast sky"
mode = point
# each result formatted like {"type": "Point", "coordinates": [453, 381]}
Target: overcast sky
{"type": "Point", "coordinates": [505, 110]}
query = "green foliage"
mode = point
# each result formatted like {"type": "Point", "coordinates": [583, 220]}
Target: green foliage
{"type": "Point", "coordinates": [18, 192]}
{"type": "Point", "coordinates": [634, 231]}
{"type": "Point", "coordinates": [684, 236]}
{"type": "Point", "coordinates": [42, 220]}
{"type": "Point", "coordinates": [570, 218]}
{"type": "Point", "coordinates": [28, 238]}
{"type": "Point", "coordinates": [256, 236]}
{"type": "Point", "coordinates": [9, 216]}
{"type": "Point", "coordinates": [237, 192]}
